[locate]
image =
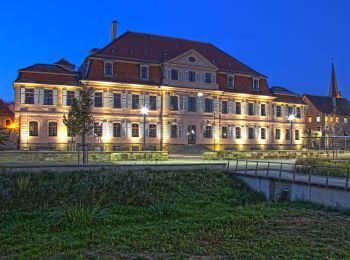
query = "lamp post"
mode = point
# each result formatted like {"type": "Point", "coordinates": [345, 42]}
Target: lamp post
{"type": "Point", "coordinates": [291, 118]}
{"type": "Point", "coordinates": [144, 112]}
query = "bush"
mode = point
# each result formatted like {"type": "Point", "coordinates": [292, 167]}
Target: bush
{"type": "Point", "coordinates": [322, 166]}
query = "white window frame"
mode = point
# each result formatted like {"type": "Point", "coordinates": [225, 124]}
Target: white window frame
{"type": "Point", "coordinates": [233, 81]}
{"type": "Point", "coordinates": [104, 68]}
{"type": "Point", "coordinates": [141, 67]}
{"type": "Point", "coordinates": [256, 79]}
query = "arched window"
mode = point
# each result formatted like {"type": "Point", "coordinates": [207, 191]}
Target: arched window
{"type": "Point", "coordinates": [52, 128]}
{"type": "Point", "coordinates": [33, 128]}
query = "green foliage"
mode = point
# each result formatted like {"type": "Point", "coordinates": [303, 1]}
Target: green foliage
{"type": "Point", "coordinates": [85, 120]}
{"type": "Point", "coordinates": [166, 209]}
{"type": "Point", "coordinates": [22, 183]}
{"type": "Point", "coordinates": [72, 120]}
{"type": "Point", "coordinates": [80, 213]}
{"type": "Point", "coordinates": [323, 166]}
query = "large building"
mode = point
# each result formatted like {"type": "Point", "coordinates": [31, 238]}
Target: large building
{"type": "Point", "coordinates": [195, 94]}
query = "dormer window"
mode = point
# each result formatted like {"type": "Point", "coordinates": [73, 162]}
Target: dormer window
{"type": "Point", "coordinates": [230, 82]}
{"type": "Point", "coordinates": [256, 84]}
{"type": "Point", "coordinates": [144, 72]}
{"type": "Point", "coordinates": [108, 69]}
{"type": "Point", "coordinates": [208, 77]}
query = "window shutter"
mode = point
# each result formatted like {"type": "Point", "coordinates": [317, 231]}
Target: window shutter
{"type": "Point", "coordinates": [41, 96]}
{"type": "Point", "coordinates": [159, 102]}
{"type": "Point", "coordinates": [36, 96]}
{"type": "Point", "coordinates": [147, 101]}
{"type": "Point", "coordinates": [258, 108]}
{"type": "Point", "coordinates": [167, 100]}
{"type": "Point", "coordinates": [128, 130]}
{"type": "Point", "coordinates": [216, 105]}
{"type": "Point", "coordinates": [64, 97]}
{"type": "Point", "coordinates": [23, 95]}
{"type": "Point", "coordinates": [141, 130]}
{"type": "Point", "coordinates": [180, 130]}
{"type": "Point", "coordinates": [243, 108]}
{"type": "Point", "coordinates": [77, 94]}
{"type": "Point", "coordinates": [124, 129]}
{"type": "Point", "coordinates": [274, 110]}
{"type": "Point", "coordinates": [104, 129]}
{"type": "Point", "coordinates": [169, 73]}
{"type": "Point", "coordinates": [110, 99]}
{"type": "Point", "coordinates": [169, 131]}
{"type": "Point", "coordinates": [257, 132]}
{"type": "Point", "coordinates": [230, 107]}
{"type": "Point", "coordinates": [182, 103]}
{"type": "Point", "coordinates": [110, 129]}
{"type": "Point", "coordinates": [105, 99]}
{"type": "Point", "coordinates": [159, 129]}
{"type": "Point", "coordinates": [198, 76]}
{"type": "Point", "coordinates": [186, 76]}
{"type": "Point", "coordinates": [185, 103]}
{"type": "Point", "coordinates": [124, 97]}
{"type": "Point", "coordinates": [54, 101]}
{"type": "Point", "coordinates": [129, 101]}
{"type": "Point", "coordinates": [199, 104]}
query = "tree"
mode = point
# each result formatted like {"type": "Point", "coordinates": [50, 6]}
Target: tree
{"type": "Point", "coordinates": [71, 121]}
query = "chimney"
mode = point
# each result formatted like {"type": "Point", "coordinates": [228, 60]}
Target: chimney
{"type": "Point", "coordinates": [114, 30]}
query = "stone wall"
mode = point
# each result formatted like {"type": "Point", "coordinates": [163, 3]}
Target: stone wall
{"type": "Point", "coordinates": [72, 157]}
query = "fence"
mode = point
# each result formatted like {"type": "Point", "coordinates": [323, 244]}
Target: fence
{"type": "Point", "coordinates": [328, 176]}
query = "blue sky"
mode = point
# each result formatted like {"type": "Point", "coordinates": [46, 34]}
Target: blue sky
{"type": "Point", "coordinates": [292, 42]}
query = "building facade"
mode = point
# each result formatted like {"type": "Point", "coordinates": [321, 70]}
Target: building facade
{"type": "Point", "coordinates": [195, 94]}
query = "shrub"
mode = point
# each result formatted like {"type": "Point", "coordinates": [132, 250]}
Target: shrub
{"type": "Point", "coordinates": [22, 183]}
{"type": "Point", "coordinates": [166, 209]}
{"type": "Point", "coordinates": [79, 214]}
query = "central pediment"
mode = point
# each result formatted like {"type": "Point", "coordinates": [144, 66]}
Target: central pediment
{"type": "Point", "coordinates": [192, 58]}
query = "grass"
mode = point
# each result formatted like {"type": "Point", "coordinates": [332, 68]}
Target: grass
{"type": "Point", "coordinates": [323, 166]}
{"type": "Point", "coordinates": [144, 214]}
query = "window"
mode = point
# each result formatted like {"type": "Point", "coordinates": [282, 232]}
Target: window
{"type": "Point", "coordinates": [8, 122]}
{"type": "Point", "coordinates": [345, 120]}
{"type": "Point", "coordinates": [192, 76]}
{"type": "Point", "coordinates": [134, 130]}
{"type": "Point", "coordinates": [251, 109]}
{"type": "Point", "coordinates": [278, 111]}
{"type": "Point", "coordinates": [263, 109]}
{"type": "Point", "coordinates": [98, 129]}
{"type": "Point", "coordinates": [224, 108]}
{"type": "Point", "coordinates": [52, 129]}
{"type": "Point", "coordinates": [70, 98]}
{"type": "Point", "coordinates": [256, 84]}
{"type": "Point", "coordinates": [144, 72]}
{"type": "Point", "coordinates": [174, 74]}
{"type": "Point", "coordinates": [309, 119]}
{"type": "Point", "coordinates": [238, 133]}
{"type": "Point", "coordinates": [135, 101]}
{"type": "Point", "coordinates": [278, 134]}
{"type": "Point", "coordinates": [331, 119]}
{"type": "Point", "coordinates": [250, 133]}
{"type": "Point", "coordinates": [98, 99]}
{"type": "Point", "coordinates": [191, 104]}
{"type": "Point", "coordinates": [337, 119]}
{"type": "Point", "coordinates": [48, 97]}
{"type": "Point", "coordinates": [287, 134]}
{"type": "Point", "coordinates": [224, 132]}
{"type": "Point", "coordinates": [108, 69]}
{"type": "Point", "coordinates": [117, 100]}
{"type": "Point", "coordinates": [33, 128]}
{"type": "Point", "coordinates": [238, 108]}
{"type": "Point", "coordinates": [318, 129]}
{"type": "Point", "coordinates": [263, 133]}
{"type": "Point", "coordinates": [290, 111]}
{"type": "Point", "coordinates": [298, 114]}
{"type": "Point", "coordinates": [297, 135]}
{"type": "Point", "coordinates": [318, 119]}
{"type": "Point", "coordinates": [173, 131]}
{"type": "Point", "coordinates": [208, 77]}
{"type": "Point", "coordinates": [230, 81]}
{"type": "Point", "coordinates": [207, 131]}
{"type": "Point", "coordinates": [174, 103]}
{"type": "Point", "coordinates": [326, 119]}
{"type": "Point", "coordinates": [152, 102]}
{"type": "Point", "coordinates": [208, 105]}
{"type": "Point", "coordinates": [117, 130]}
{"type": "Point", "coordinates": [152, 130]}
{"type": "Point", "coordinates": [29, 96]}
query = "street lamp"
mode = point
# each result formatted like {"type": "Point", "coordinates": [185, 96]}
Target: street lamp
{"type": "Point", "coordinates": [291, 118]}
{"type": "Point", "coordinates": [144, 112]}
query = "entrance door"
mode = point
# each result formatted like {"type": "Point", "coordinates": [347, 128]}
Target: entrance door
{"type": "Point", "coordinates": [191, 134]}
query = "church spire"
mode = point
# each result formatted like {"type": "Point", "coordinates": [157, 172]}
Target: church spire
{"type": "Point", "coordinates": [333, 86]}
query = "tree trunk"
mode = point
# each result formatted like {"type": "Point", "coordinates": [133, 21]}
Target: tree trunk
{"type": "Point", "coordinates": [85, 152]}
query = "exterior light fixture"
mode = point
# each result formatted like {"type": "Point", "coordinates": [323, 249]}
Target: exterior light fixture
{"type": "Point", "coordinates": [200, 94]}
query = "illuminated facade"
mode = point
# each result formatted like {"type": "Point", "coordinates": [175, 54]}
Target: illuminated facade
{"type": "Point", "coordinates": [194, 92]}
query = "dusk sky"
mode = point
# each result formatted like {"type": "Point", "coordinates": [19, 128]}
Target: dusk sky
{"type": "Point", "coordinates": [292, 42]}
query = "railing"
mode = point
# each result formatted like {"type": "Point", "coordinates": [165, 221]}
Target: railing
{"type": "Point", "coordinates": [327, 176]}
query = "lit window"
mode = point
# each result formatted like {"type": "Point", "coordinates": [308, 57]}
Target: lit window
{"type": "Point", "coordinates": [251, 109]}
{"type": "Point", "coordinates": [224, 132]}
{"type": "Point", "coordinates": [135, 102]}
{"type": "Point", "coordinates": [278, 111]}
{"type": "Point", "coordinates": [208, 77]}
{"type": "Point", "coordinates": [174, 74]}
{"type": "Point", "coordinates": [287, 134]}
{"type": "Point", "coordinates": [297, 135]}
{"type": "Point", "coordinates": [134, 130]}
{"type": "Point", "coordinates": [250, 133]}
{"type": "Point", "coordinates": [8, 122]}
{"type": "Point", "coordinates": [318, 119]}
{"type": "Point", "coordinates": [98, 129]}
{"type": "Point", "coordinates": [224, 108]}
{"type": "Point", "coordinates": [207, 131]}
{"type": "Point", "coordinates": [174, 103]}
{"type": "Point", "coordinates": [345, 120]}
{"type": "Point", "coordinates": [98, 99]}
{"type": "Point", "coordinates": [70, 98]}
{"type": "Point", "coordinates": [230, 82]}
{"type": "Point", "coordinates": [208, 105]}
{"type": "Point", "coordinates": [238, 108]}
{"type": "Point", "coordinates": [278, 134]}
{"type": "Point", "coordinates": [173, 131]}
{"type": "Point", "coordinates": [29, 96]}
{"type": "Point", "coordinates": [52, 129]}
{"type": "Point", "coordinates": [256, 84]}
{"type": "Point", "coordinates": [117, 100]}
{"type": "Point", "coordinates": [48, 97]}
{"type": "Point", "coordinates": [337, 119]}
{"type": "Point", "coordinates": [117, 130]}
{"type": "Point", "coordinates": [326, 119]}
{"type": "Point", "coordinates": [192, 76]}
{"type": "Point", "coordinates": [309, 119]}
{"type": "Point", "coordinates": [144, 72]}
{"type": "Point", "coordinates": [263, 133]}
{"type": "Point", "coordinates": [191, 104]}
{"type": "Point", "coordinates": [263, 109]}
{"type": "Point", "coordinates": [152, 102]}
{"type": "Point", "coordinates": [33, 128]}
{"type": "Point", "coordinates": [238, 133]}
{"type": "Point", "coordinates": [152, 130]}
{"type": "Point", "coordinates": [108, 69]}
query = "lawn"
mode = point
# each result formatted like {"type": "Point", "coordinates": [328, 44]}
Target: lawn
{"type": "Point", "coordinates": [145, 214]}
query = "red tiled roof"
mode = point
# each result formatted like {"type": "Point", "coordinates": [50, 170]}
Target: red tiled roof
{"type": "Point", "coordinates": [47, 68]}
{"type": "Point", "coordinates": [5, 110]}
{"type": "Point", "coordinates": [325, 104]}
{"type": "Point", "coordinates": [285, 95]}
{"type": "Point", "coordinates": [154, 48]}
{"type": "Point", "coordinates": [64, 62]}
